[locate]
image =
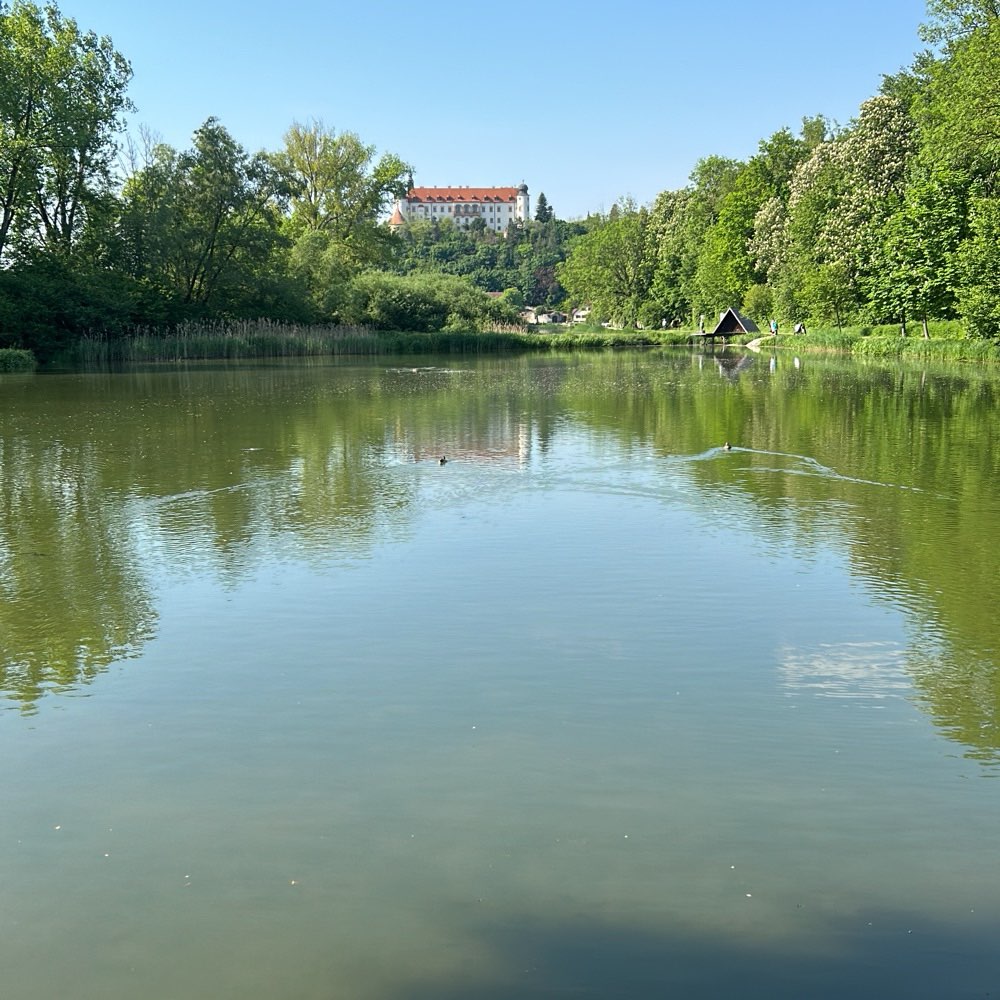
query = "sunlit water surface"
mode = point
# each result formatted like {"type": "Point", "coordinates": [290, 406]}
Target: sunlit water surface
{"type": "Point", "coordinates": [597, 708]}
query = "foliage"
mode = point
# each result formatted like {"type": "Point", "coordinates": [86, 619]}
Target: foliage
{"type": "Point", "coordinates": [952, 20]}
{"type": "Point", "coordinates": [338, 192]}
{"type": "Point", "coordinates": [543, 210]}
{"type": "Point", "coordinates": [758, 303]}
{"type": "Point", "coordinates": [202, 225]}
{"type": "Point", "coordinates": [46, 305]}
{"type": "Point", "coordinates": [62, 95]}
{"type": "Point", "coordinates": [523, 258]}
{"type": "Point", "coordinates": [611, 268]}
{"type": "Point", "coordinates": [422, 303]}
{"type": "Point", "coordinates": [979, 261]}
{"type": "Point", "coordinates": [13, 360]}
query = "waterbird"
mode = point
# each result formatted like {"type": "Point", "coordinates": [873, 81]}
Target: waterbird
{"type": "Point", "coordinates": [443, 460]}
{"type": "Point", "coordinates": [727, 447]}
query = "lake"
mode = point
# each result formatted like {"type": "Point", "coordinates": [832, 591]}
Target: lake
{"type": "Point", "coordinates": [597, 708]}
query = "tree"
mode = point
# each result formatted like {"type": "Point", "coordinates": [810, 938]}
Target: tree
{"type": "Point", "coordinates": [758, 303]}
{"type": "Point", "coordinates": [543, 210]}
{"type": "Point", "coordinates": [919, 274]}
{"type": "Point", "coordinates": [961, 126]}
{"type": "Point", "coordinates": [952, 20]}
{"type": "Point", "coordinates": [711, 181]}
{"type": "Point", "coordinates": [62, 94]}
{"type": "Point", "coordinates": [341, 191]}
{"type": "Point", "coordinates": [203, 224]}
{"type": "Point", "coordinates": [961, 119]}
{"type": "Point", "coordinates": [979, 261]}
{"type": "Point", "coordinates": [423, 303]}
{"type": "Point", "coordinates": [842, 197]}
{"type": "Point", "coordinates": [612, 267]}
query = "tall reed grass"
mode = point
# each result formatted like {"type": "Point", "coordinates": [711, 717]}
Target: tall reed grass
{"type": "Point", "coordinates": [948, 341]}
{"type": "Point", "coordinates": [209, 341]}
{"type": "Point", "coordinates": [263, 339]}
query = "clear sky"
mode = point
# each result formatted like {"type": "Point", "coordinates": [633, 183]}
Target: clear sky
{"type": "Point", "coordinates": [587, 102]}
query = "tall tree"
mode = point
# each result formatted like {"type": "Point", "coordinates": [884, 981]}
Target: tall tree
{"type": "Point", "coordinates": [961, 118]}
{"type": "Point", "coordinates": [62, 96]}
{"type": "Point", "coordinates": [841, 200]}
{"type": "Point", "coordinates": [203, 223]}
{"type": "Point", "coordinates": [340, 190]}
{"type": "Point", "coordinates": [543, 210]}
{"type": "Point", "coordinates": [919, 275]}
{"type": "Point", "coordinates": [952, 20]}
{"type": "Point", "coordinates": [611, 268]}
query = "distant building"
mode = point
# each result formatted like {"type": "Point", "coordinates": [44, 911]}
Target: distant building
{"type": "Point", "coordinates": [498, 207]}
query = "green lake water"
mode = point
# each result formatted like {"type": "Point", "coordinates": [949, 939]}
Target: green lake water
{"type": "Point", "coordinates": [289, 709]}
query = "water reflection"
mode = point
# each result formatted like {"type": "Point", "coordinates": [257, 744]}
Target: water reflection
{"type": "Point", "coordinates": [74, 597]}
{"type": "Point", "coordinates": [108, 483]}
{"type": "Point", "coordinates": [847, 670]}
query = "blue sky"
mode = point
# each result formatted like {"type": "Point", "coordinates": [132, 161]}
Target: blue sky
{"type": "Point", "coordinates": [586, 102]}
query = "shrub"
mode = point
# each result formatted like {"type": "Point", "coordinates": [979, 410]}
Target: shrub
{"type": "Point", "coordinates": [14, 360]}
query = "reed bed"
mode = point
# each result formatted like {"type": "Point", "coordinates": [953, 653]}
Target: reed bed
{"type": "Point", "coordinates": [263, 339]}
{"type": "Point", "coordinates": [920, 349]}
{"type": "Point", "coordinates": [223, 341]}
{"type": "Point", "coordinates": [947, 342]}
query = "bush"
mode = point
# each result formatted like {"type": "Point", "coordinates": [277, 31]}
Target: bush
{"type": "Point", "coordinates": [423, 303]}
{"type": "Point", "coordinates": [45, 306]}
{"type": "Point", "coordinates": [14, 360]}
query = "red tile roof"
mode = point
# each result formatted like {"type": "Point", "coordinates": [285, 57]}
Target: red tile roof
{"type": "Point", "coordinates": [453, 194]}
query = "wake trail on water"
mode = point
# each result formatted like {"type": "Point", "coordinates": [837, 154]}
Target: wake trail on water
{"type": "Point", "coordinates": [808, 466]}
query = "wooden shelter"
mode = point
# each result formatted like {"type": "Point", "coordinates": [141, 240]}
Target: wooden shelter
{"type": "Point", "coordinates": [732, 323]}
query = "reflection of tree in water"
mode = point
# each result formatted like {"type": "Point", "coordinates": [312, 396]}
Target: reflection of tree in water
{"type": "Point", "coordinates": [961, 691]}
{"type": "Point", "coordinates": [73, 601]}
{"type": "Point", "coordinates": [231, 469]}
{"type": "Point", "coordinates": [904, 462]}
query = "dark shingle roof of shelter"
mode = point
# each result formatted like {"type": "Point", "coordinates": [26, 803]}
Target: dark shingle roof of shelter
{"type": "Point", "coordinates": [734, 322]}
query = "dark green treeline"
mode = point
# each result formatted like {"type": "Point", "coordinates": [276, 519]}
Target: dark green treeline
{"type": "Point", "coordinates": [893, 218]}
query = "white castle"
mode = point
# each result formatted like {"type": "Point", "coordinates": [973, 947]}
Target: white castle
{"type": "Point", "coordinates": [496, 206]}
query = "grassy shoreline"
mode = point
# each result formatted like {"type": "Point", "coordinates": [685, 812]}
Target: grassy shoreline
{"type": "Point", "coordinates": [267, 340]}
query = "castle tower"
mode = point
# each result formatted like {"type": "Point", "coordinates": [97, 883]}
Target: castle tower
{"type": "Point", "coordinates": [522, 204]}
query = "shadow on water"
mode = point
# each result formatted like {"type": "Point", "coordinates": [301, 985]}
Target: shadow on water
{"type": "Point", "coordinates": [888, 956]}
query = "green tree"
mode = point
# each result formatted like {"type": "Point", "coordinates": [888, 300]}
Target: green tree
{"type": "Point", "coordinates": [62, 96]}
{"type": "Point", "coordinates": [340, 190]}
{"type": "Point", "coordinates": [543, 211]}
{"type": "Point", "coordinates": [961, 119]}
{"type": "Point", "coordinates": [961, 129]}
{"type": "Point", "coordinates": [758, 303]}
{"type": "Point", "coordinates": [841, 199]}
{"type": "Point", "coordinates": [919, 275]}
{"type": "Point", "coordinates": [673, 259]}
{"type": "Point", "coordinates": [611, 268]}
{"type": "Point", "coordinates": [952, 20]}
{"type": "Point", "coordinates": [979, 264]}
{"type": "Point", "coordinates": [423, 303]}
{"type": "Point", "coordinates": [203, 225]}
